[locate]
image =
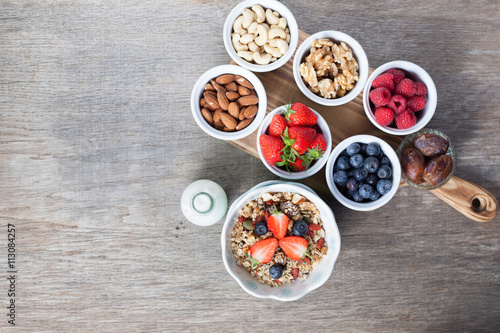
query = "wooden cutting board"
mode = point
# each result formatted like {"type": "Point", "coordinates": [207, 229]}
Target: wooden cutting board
{"type": "Point", "coordinates": [350, 119]}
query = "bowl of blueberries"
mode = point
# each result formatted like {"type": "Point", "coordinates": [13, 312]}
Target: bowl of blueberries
{"type": "Point", "coordinates": [363, 172]}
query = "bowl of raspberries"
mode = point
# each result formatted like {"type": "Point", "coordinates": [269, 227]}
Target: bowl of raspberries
{"type": "Point", "coordinates": [400, 98]}
{"type": "Point", "coordinates": [363, 172]}
{"type": "Point", "coordinates": [294, 141]}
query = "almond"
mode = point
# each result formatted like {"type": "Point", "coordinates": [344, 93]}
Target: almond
{"type": "Point", "coordinates": [228, 120]}
{"type": "Point", "coordinates": [251, 111]}
{"type": "Point", "coordinates": [242, 81]}
{"type": "Point", "coordinates": [209, 87]}
{"type": "Point", "coordinates": [242, 113]}
{"type": "Point", "coordinates": [244, 123]}
{"type": "Point", "coordinates": [216, 116]}
{"type": "Point", "coordinates": [227, 129]}
{"type": "Point", "coordinates": [223, 101]}
{"type": "Point", "coordinates": [232, 95]}
{"type": "Point", "coordinates": [243, 91]}
{"type": "Point", "coordinates": [248, 100]}
{"type": "Point", "coordinates": [211, 101]}
{"type": "Point", "coordinates": [231, 86]}
{"type": "Point", "coordinates": [225, 79]}
{"type": "Point", "coordinates": [203, 102]}
{"type": "Point", "coordinates": [207, 115]}
{"type": "Point", "coordinates": [218, 87]}
{"type": "Point", "coordinates": [234, 110]}
{"type": "Point", "coordinates": [219, 125]}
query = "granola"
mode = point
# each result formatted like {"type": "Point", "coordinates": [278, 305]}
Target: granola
{"type": "Point", "coordinates": [297, 208]}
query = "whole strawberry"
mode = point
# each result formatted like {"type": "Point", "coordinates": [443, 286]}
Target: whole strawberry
{"type": "Point", "coordinates": [271, 147]}
{"type": "Point", "coordinates": [277, 125]}
{"type": "Point", "coordinates": [299, 114]}
{"type": "Point", "coordinates": [302, 138]}
{"type": "Point", "coordinates": [299, 164]}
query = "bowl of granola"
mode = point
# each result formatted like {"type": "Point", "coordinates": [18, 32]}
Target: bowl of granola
{"type": "Point", "coordinates": [330, 68]}
{"type": "Point", "coordinates": [280, 240]}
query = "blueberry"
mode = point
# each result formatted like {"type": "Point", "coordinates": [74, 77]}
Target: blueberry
{"type": "Point", "coordinates": [384, 171]}
{"type": "Point", "coordinates": [340, 177]}
{"type": "Point", "coordinates": [348, 194]}
{"type": "Point", "coordinates": [365, 191]}
{"type": "Point", "coordinates": [360, 174]}
{"type": "Point", "coordinates": [344, 153]}
{"type": "Point", "coordinates": [343, 163]}
{"type": "Point", "coordinates": [260, 228]}
{"type": "Point", "coordinates": [352, 184]}
{"type": "Point", "coordinates": [276, 271]}
{"type": "Point", "coordinates": [357, 197]}
{"type": "Point", "coordinates": [385, 161]}
{"type": "Point", "coordinates": [384, 186]}
{"type": "Point", "coordinates": [353, 148]}
{"type": "Point", "coordinates": [372, 149]}
{"type": "Point", "coordinates": [299, 228]}
{"type": "Point", "coordinates": [363, 148]}
{"type": "Point", "coordinates": [356, 160]}
{"type": "Point", "coordinates": [372, 179]}
{"type": "Point", "coordinates": [375, 195]}
{"type": "Point", "coordinates": [371, 164]}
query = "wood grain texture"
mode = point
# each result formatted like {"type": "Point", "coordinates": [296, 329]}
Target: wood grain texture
{"type": "Point", "coordinates": [97, 143]}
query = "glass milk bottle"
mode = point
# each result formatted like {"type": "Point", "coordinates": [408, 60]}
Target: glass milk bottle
{"type": "Point", "coordinates": [204, 202]}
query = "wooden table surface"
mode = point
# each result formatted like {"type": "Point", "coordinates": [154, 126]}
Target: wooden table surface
{"type": "Point", "coordinates": [97, 143]}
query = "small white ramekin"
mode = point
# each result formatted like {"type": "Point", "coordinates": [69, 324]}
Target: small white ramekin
{"type": "Point", "coordinates": [275, 6]}
{"type": "Point", "coordinates": [359, 55]}
{"type": "Point", "coordinates": [416, 73]}
{"type": "Point", "coordinates": [396, 173]}
{"type": "Point", "coordinates": [197, 94]}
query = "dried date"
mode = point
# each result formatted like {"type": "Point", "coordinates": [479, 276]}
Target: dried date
{"type": "Point", "coordinates": [413, 165]}
{"type": "Point", "coordinates": [431, 145]}
{"type": "Point", "coordinates": [438, 169]}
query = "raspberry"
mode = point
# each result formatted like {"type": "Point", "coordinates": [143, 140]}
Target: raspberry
{"type": "Point", "coordinates": [384, 116]}
{"type": "Point", "coordinates": [406, 119]}
{"type": "Point", "coordinates": [420, 89]}
{"type": "Point", "coordinates": [397, 104]}
{"type": "Point", "coordinates": [398, 74]}
{"type": "Point", "coordinates": [380, 96]}
{"type": "Point", "coordinates": [405, 88]}
{"type": "Point", "coordinates": [385, 80]}
{"type": "Point", "coordinates": [416, 103]}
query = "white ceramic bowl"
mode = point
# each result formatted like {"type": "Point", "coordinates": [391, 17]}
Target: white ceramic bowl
{"type": "Point", "coordinates": [415, 73]}
{"type": "Point", "coordinates": [197, 94]}
{"type": "Point", "coordinates": [396, 173]}
{"type": "Point", "coordinates": [296, 289]}
{"type": "Point", "coordinates": [318, 164]}
{"type": "Point", "coordinates": [359, 54]}
{"type": "Point", "coordinates": [275, 6]}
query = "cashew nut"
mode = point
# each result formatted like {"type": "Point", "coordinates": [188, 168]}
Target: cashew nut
{"type": "Point", "coordinates": [253, 47]}
{"type": "Point", "coordinates": [262, 37]}
{"type": "Point", "coordinates": [246, 38]}
{"type": "Point", "coordinates": [277, 32]}
{"type": "Point", "coordinates": [237, 45]}
{"type": "Point", "coordinates": [247, 55]}
{"type": "Point", "coordinates": [282, 23]}
{"type": "Point", "coordinates": [248, 17]}
{"type": "Point", "coordinates": [280, 44]}
{"type": "Point", "coordinates": [274, 51]}
{"type": "Point", "coordinates": [265, 26]}
{"type": "Point", "coordinates": [237, 24]}
{"type": "Point", "coordinates": [262, 59]}
{"type": "Point", "coordinates": [270, 17]}
{"type": "Point", "coordinates": [252, 29]}
{"type": "Point", "coordinates": [287, 39]}
{"type": "Point", "coordinates": [259, 12]}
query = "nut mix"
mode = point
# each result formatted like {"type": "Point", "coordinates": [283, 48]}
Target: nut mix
{"type": "Point", "coordinates": [426, 161]}
{"type": "Point", "coordinates": [278, 247]}
{"type": "Point", "coordinates": [330, 69]}
{"type": "Point", "coordinates": [260, 36]}
{"type": "Point", "coordinates": [229, 103]}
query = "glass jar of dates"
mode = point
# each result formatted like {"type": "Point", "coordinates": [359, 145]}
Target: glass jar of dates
{"type": "Point", "coordinates": [427, 159]}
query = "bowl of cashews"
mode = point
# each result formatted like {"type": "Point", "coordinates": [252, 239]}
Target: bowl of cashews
{"type": "Point", "coordinates": [260, 35]}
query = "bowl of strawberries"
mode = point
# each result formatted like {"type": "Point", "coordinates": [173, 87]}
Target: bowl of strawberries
{"type": "Point", "coordinates": [294, 141]}
{"type": "Point", "coordinates": [400, 98]}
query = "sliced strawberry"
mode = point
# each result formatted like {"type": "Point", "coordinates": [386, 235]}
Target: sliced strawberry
{"type": "Point", "coordinates": [277, 222]}
{"type": "Point", "coordinates": [314, 227]}
{"type": "Point", "coordinates": [262, 252]}
{"type": "Point", "coordinates": [277, 126]}
{"type": "Point", "coordinates": [299, 114]}
{"type": "Point", "coordinates": [271, 148]}
{"type": "Point", "coordinates": [295, 273]}
{"type": "Point", "coordinates": [294, 246]}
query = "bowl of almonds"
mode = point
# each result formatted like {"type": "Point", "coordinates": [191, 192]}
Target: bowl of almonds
{"type": "Point", "coordinates": [228, 102]}
{"type": "Point", "coordinates": [330, 68]}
